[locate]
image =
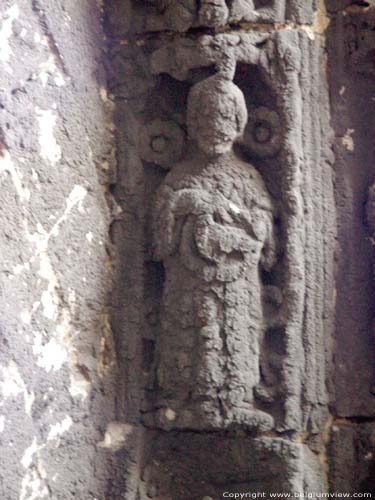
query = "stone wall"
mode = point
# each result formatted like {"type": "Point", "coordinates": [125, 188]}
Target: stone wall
{"type": "Point", "coordinates": [57, 366]}
{"type": "Point", "coordinates": [351, 69]}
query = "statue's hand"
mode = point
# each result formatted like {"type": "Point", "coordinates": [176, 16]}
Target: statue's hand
{"type": "Point", "coordinates": [217, 242]}
{"type": "Point", "coordinates": [172, 210]}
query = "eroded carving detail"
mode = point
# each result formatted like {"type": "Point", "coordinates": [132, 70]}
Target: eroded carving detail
{"type": "Point", "coordinates": [141, 16]}
{"type": "Point", "coordinates": [161, 142]}
{"type": "Point", "coordinates": [360, 41]}
{"type": "Point", "coordinates": [213, 13]}
{"type": "Point", "coordinates": [213, 230]}
{"type": "Point", "coordinates": [222, 344]}
{"type": "Point", "coordinates": [176, 15]}
{"type": "Point", "coordinates": [263, 134]}
{"type": "Point", "coordinates": [181, 15]}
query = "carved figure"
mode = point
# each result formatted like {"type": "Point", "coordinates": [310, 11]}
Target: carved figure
{"type": "Point", "coordinates": [213, 230]}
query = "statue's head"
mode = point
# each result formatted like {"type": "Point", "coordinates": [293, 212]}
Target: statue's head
{"type": "Point", "coordinates": [216, 114]}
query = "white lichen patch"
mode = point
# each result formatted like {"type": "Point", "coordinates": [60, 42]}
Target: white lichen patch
{"type": "Point", "coordinates": [53, 352]}
{"type": "Point", "coordinates": [6, 32]}
{"type": "Point", "coordinates": [49, 301]}
{"type": "Point", "coordinates": [2, 423]}
{"type": "Point", "coordinates": [34, 175]}
{"type": "Point", "coordinates": [59, 80]}
{"type": "Point", "coordinates": [19, 268]}
{"type": "Point", "coordinates": [49, 298]}
{"type": "Point", "coordinates": [115, 436]}
{"type": "Point", "coordinates": [89, 237]}
{"type": "Point", "coordinates": [57, 430]}
{"type": "Point", "coordinates": [51, 355]}
{"type": "Point", "coordinates": [33, 487]}
{"type": "Point", "coordinates": [7, 167]}
{"type": "Point", "coordinates": [40, 239]}
{"type": "Point", "coordinates": [347, 140]}
{"type": "Point", "coordinates": [59, 349]}
{"type": "Point", "coordinates": [12, 384]}
{"type": "Point", "coordinates": [38, 38]}
{"type": "Point", "coordinates": [48, 70]}
{"type": "Point", "coordinates": [234, 208]}
{"type": "Point", "coordinates": [79, 386]}
{"type": "Point", "coordinates": [27, 458]}
{"type": "Point", "coordinates": [36, 470]}
{"type": "Point", "coordinates": [170, 414]}
{"type": "Point", "coordinates": [25, 317]}
{"type": "Point", "coordinates": [75, 198]}
{"type": "Point", "coordinates": [103, 94]}
{"type": "Point", "coordinates": [49, 149]}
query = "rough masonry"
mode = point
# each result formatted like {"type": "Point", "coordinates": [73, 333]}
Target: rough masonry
{"type": "Point", "coordinates": [57, 358]}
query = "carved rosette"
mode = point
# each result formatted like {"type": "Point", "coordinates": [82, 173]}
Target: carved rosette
{"type": "Point", "coordinates": [162, 143]}
{"type": "Point", "coordinates": [263, 133]}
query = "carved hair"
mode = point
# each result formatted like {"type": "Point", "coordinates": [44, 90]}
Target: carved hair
{"type": "Point", "coordinates": [219, 96]}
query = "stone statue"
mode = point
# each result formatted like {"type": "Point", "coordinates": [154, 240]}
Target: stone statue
{"type": "Point", "coordinates": [213, 231]}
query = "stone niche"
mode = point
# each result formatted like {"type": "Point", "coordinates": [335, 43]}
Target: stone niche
{"type": "Point", "coordinates": [214, 393]}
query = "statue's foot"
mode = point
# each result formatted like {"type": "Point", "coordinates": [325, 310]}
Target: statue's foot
{"type": "Point", "coordinates": [208, 417]}
{"type": "Point", "coordinates": [251, 420]}
{"type": "Point", "coordinates": [193, 418]}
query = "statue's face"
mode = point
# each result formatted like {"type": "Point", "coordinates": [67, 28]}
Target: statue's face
{"type": "Point", "coordinates": [216, 115]}
{"type": "Point", "coordinates": [215, 131]}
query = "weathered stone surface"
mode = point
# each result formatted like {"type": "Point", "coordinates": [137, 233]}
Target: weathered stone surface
{"type": "Point", "coordinates": [352, 459]}
{"type": "Point", "coordinates": [57, 384]}
{"type": "Point", "coordinates": [134, 16]}
{"type": "Point", "coordinates": [182, 466]}
{"type": "Point", "coordinates": [193, 60]}
{"type": "Point", "coordinates": [351, 75]}
{"type": "Point", "coordinates": [212, 344]}
{"type": "Point", "coordinates": [213, 230]}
